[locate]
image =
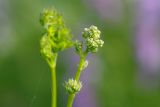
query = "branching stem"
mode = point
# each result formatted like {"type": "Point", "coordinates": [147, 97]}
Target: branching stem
{"type": "Point", "coordinates": [77, 76]}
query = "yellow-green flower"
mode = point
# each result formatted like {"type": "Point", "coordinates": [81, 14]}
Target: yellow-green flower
{"type": "Point", "coordinates": [57, 36]}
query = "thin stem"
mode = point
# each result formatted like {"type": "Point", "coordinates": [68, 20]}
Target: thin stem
{"type": "Point", "coordinates": [77, 76]}
{"type": "Point", "coordinates": [70, 100]}
{"type": "Point", "coordinates": [53, 83]}
{"type": "Point", "coordinates": [79, 69]}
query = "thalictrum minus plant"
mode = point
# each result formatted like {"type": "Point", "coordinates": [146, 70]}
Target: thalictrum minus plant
{"type": "Point", "coordinates": [56, 38]}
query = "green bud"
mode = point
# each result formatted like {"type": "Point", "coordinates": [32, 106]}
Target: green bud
{"type": "Point", "coordinates": [72, 86]}
{"type": "Point", "coordinates": [78, 47]}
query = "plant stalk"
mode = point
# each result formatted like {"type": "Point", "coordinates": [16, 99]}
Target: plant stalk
{"type": "Point", "coordinates": [70, 100]}
{"type": "Point", "coordinates": [53, 83]}
{"type": "Point", "coordinates": [77, 76]}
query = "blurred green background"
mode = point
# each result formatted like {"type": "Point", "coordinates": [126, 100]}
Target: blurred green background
{"type": "Point", "coordinates": [117, 77]}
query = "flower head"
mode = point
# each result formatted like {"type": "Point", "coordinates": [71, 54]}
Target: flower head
{"type": "Point", "coordinates": [92, 40]}
{"type": "Point", "coordinates": [57, 35]}
{"type": "Point", "coordinates": [72, 86]}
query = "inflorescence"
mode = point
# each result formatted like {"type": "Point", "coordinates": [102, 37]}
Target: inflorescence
{"type": "Point", "coordinates": [57, 36]}
{"type": "Point", "coordinates": [92, 40]}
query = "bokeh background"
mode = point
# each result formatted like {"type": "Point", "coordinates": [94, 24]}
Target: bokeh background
{"type": "Point", "coordinates": [124, 73]}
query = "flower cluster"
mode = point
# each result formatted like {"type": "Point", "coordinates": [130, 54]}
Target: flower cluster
{"type": "Point", "coordinates": [57, 36]}
{"type": "Point", "coordinates": [92, 40]}
{"type": "Point", "coordinates": [73, 86]}
{"type": "Point", "coordinates": [91, 32]}
{"type": "Point", "coordinates": [49, 18]}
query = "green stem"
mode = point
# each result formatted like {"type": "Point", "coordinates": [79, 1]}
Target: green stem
{"type": "Point", "coordinates": [77, 76]}
{"type": "Point", "coordinates": [78, 72]}
{"type": "Point", "coordinates": [53, 83]}
{"type": "Point", "coordinates": [70, 100]}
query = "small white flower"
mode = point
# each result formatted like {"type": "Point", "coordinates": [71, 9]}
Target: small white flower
{"type": "Point", "coordinates": [72, 86]}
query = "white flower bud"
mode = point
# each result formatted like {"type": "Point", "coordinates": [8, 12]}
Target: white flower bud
{"type": "Point", "coordinates": [72, 86]}
{"type": "Point", "coordinates": [85, 64]}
